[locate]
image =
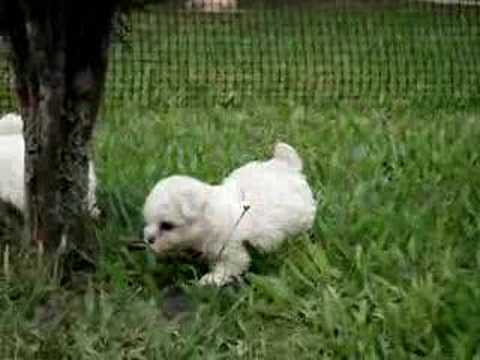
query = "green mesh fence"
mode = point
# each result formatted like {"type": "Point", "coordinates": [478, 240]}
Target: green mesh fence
{"type": "Point", "coordinates": [230, 51]}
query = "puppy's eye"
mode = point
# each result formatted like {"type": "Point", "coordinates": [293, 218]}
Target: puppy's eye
{"type": "Point", "coordinates": [166, 226]}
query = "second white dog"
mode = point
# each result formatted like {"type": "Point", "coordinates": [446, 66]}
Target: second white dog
{"type": "Point", "coordinates": [12, 149]}
{"type": "Point", "coordinates": [259, 204]}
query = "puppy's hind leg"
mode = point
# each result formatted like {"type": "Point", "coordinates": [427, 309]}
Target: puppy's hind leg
{"type": "Point", "coordinates": [230, 264]}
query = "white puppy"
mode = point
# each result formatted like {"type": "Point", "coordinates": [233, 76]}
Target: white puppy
{"type": "Point", "coordinates": [11, 124]}
{"type": "Point", "coordinates": [12, 148]}
{"type": "Point", "coordinates": [259, 204]}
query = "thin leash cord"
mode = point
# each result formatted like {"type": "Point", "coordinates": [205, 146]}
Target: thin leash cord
{"type": "Point", "coordinates": [224, 245]}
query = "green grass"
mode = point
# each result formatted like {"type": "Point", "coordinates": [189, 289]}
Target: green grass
{"type": "Point", "coordinates": [391, 267]}
{"type": "Point", "coordinates": [389, 271]}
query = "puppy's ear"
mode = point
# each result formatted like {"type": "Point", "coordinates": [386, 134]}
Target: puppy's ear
{"type": "Point", "coordinates": [193, 204]}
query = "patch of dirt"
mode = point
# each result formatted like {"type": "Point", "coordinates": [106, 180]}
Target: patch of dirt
{"type": "Point", "coordinates": [176, 304]}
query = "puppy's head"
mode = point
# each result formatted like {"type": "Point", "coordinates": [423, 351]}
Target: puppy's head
{"type": "Point", "coordinates": [173, 214]}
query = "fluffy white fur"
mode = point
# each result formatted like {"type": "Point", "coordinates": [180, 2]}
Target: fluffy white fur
{"type": "Point", "coordinates": [11, 124]}
{"type": "Point", "coordinates": [261, 204]}
{"type": "Point", "coordinates": [12, 148]}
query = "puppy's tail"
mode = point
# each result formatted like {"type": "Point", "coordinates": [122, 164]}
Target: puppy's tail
{"type": "Point", "coordinates": [11, 124]}
{"type": "Point", "coordinates": [287, 154]}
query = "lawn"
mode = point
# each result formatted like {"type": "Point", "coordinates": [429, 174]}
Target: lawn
{"type": "Point", "coordinates": [387, 121]}
{"type": "Point", "coordinates": [390, 269]}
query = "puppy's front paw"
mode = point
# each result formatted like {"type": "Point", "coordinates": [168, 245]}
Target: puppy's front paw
{"type": "Point", "coordinates": [215, 279]}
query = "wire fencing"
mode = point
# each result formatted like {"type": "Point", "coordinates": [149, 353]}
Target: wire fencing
{"type": "Point", "coordinates": [204, 52]}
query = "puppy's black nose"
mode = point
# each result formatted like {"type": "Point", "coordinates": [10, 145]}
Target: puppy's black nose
{"type": "Point", "coordinates": [151, 240]}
